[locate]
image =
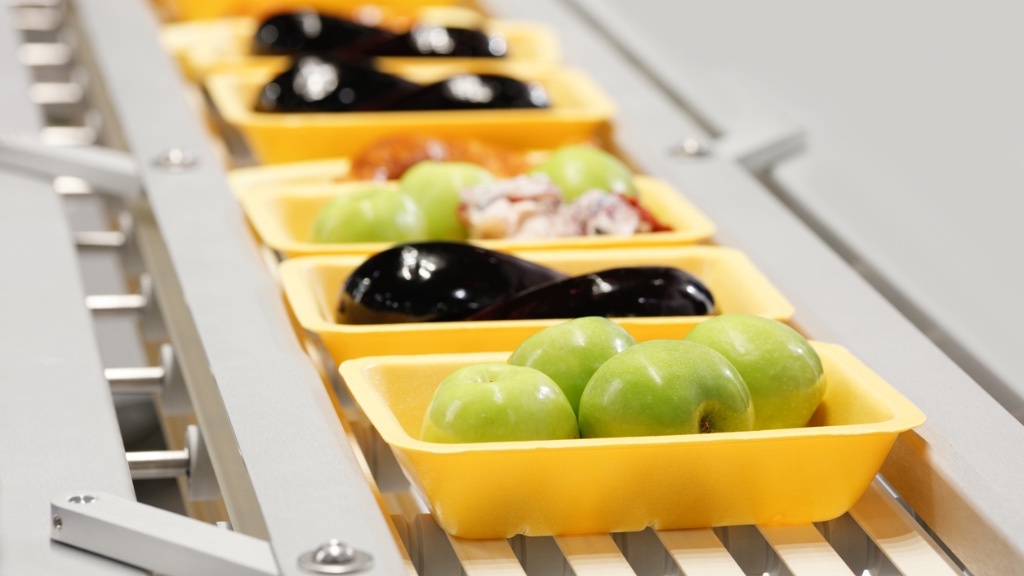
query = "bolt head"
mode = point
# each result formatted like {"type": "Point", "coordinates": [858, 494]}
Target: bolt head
{"type": "Point", "coordinates": [175, 159]}
{"type": "Point", "coordinates": [335, 557]}
{"type": "Point", "coordinates": [690, 147]}
{"type": "Point", "coordinates": [334, 552]}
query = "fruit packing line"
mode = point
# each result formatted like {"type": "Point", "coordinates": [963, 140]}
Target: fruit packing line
{"type": "Point", "coordinates": [218, 300]}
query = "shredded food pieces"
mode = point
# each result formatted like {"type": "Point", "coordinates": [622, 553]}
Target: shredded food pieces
{"type": "Point", "coordinates": [531, 206]}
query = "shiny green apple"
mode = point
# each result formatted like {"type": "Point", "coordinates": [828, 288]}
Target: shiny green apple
{"type": "Point", "coordinates": [375, 214]}
{"type": "Point", "coordinates": [576, 169]}
{"type": "Point", "coordinates": [572, 351]}
{"type": "Point", "coordinates": [435, 187]}
{"type": "Point", "coordinates": [781, 369]}
{"type": "Point", "coordinates": [662, 387]}
{"type": "Point", "coordinates": [495, 402]}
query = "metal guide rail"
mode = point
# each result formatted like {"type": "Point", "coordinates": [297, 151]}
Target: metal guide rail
{"type": "Point", "coordinates": [57, 416]}
{"type": "Point", "coordinates": [306, 491]}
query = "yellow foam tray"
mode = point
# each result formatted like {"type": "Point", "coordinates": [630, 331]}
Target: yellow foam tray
{"type": "Point", "coordinates": [499, 489]}
{"type": "Point", "coordinates": [283, 217]}
{"type": "Point", "coordinates": [312, 286]}
{"type": "Point", "coordinates": [325, 171]}
{"type": "Point", "coordinates": [328, 171]}
{"type": "Point", "coordinates": [578, 111]}
{"type": "Point", "coordinates": [203, 9]}
{"type": "Point", "coordinates": [204, 45]}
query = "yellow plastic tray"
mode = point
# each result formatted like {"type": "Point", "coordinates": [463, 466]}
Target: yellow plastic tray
{"type": "Point", "coordinates": [201, 9]}
{"type": "Point", "coordinates": [329, 171]}
{"type": "Point", "coordinates": [497, 490]}
{"type": "Point", "coordinates": [578, 110]}
{"type": "Point", "coordinates": [205, 45]}
{"type": "Point", "coordinates": [283, 217]}
{"type": "Point", "coordinates": [312, 286]}
{"type": "Point", "coordinates": [326, 171]}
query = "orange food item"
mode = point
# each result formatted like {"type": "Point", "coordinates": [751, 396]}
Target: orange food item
{"type": "Point", "coordinates": [389, 158]}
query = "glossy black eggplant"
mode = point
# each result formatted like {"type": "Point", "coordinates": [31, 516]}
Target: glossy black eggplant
{"type": "Point", "coordinates": [616, 292]}
{"type": "Point", "coordinates": [317, 84]}
{"type": "Point", "coordinates": [434, 281]}
{"type": "Point", "coordinates": [308, 32]}
{"type": "Point", "coordinates": [474, 92]}
{"type": "Point", "coordinates": [432, 41]}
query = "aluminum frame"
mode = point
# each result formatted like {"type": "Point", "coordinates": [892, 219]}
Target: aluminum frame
{"type": "Point", "coordinates": [286, 469]}
{"type": "Point", "coordinates": [57, 422]}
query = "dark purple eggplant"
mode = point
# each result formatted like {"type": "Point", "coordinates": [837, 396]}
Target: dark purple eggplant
{"type": "Point", "coordinates": [474, 92]}
{"type": "Point", "coordinates": [307, 32]}
{"type": "Point", "coordinates": [434, 281]}
{"type": "Point", "coordinates": [322, 84]}
{"type": "Point", "coordinates": [317, 84]}
{"type": "Point", "coordinates": [617, 292]}
{"type": "Point", "coordinates": [431, 41]}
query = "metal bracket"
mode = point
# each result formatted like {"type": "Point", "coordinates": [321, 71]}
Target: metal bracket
{"type": "Point", "coordinates": [61, 100]}
{"type": "Point", "coordinates": [122, 239]}
{"type": "Point", "coordinates": [106, 169]}
{"type": "Point", "coordinates": [155, 539]}
{"type": "Point", "coordinates": [755, 134]}
{"type": "Point", "coordinates": [174, 545]}
{"type": "Point", "coordinates": [143, 303]}
{"type": "Point", "coordinates": [166, 379]}
{"type": "Point", "coordinates": [193, 462]}
{"type": "Point", "coordinates": [53, 62]}
{"type": "Point", "coordinates": [39, 21]}
{"type": "Point", "coordinates": [202, 481]}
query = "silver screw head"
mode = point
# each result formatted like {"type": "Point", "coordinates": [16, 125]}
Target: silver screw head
{"type": "Point", "coordinates": [334, 552]}
{"type": "Point", "coordinates": [58, 522]}
{"type": "Point", "coordinates": [690, 147]}
{"type": "Point", "coordinates": [175, 159]}
{"type": "Point", "coordinates": [335, 557]}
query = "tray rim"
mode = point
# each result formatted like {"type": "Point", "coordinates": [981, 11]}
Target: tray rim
{"type": "Point", "coordinates": [293, 276]}
{"type": "Point", "coordinates": [905, 414]}
{"type": "Point", "coordinates": [254, 200]}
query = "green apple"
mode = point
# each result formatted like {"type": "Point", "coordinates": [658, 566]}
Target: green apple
{"type": "Point", "coordinates": [576, 169]}
{"type": "Point", "coordinates": [662, 387]}
{"type": "Point", "coordinates": [572, 351]}
{"type": "Point", "coordinates": [375, 214]}
{"type": "Point", "coordinates": [782, 371]}
{"type": "Point", "coordinates": [495, 402]}
{"type": "Point", "coordinates": [435, 187]}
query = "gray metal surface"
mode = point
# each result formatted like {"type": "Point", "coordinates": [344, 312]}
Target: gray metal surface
{"type": "Point", "coordinates": [914, 131]}
{"type": "Point", "coordinates": [157, 540]}
{"type": "Point", "coordinates": [961, 470]}
{"type": "Point", "coordinates": [58, 430]}
{"type": "Point", "coordinates": [158, 464]}
{"type": "Point", "coordinates": [280, 453]}
{"type": "Point", "coordinates": [110, 170]}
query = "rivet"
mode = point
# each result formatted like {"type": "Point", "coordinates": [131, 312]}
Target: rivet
{"type": "Point", "coordinates": [175, 159]}
{"type": "Point", "coordinates": [690, 147]}
{"type": "Point", "coordinates": [335, 557]}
